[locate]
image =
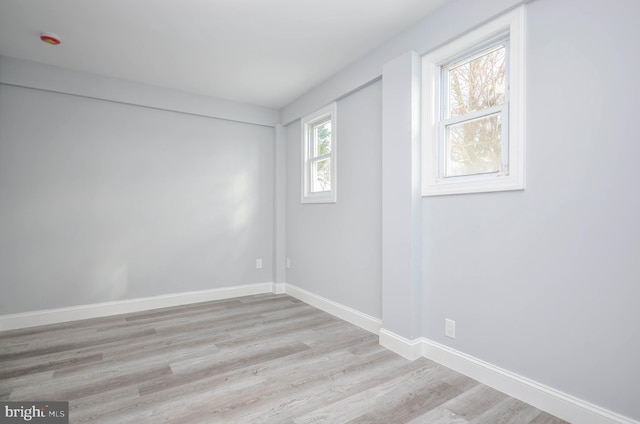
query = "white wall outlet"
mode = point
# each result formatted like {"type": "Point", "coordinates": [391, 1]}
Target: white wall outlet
{"type": "Point", "coordinates": [288, 263]}
{"type": "Point", "coordinates": [258, 263]}
{"type": "Point", "coordinates": [450, 328]}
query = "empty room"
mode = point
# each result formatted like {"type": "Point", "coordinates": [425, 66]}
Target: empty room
{"type": "Point", "coordinates": [337, 211]}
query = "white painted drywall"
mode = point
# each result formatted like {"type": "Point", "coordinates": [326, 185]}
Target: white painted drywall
{"type": "Point", "coordinates": [335, 248]}
{"type": "Point", "coordinates": [102, 201]}
{"type": "Point", "coordinates": [280, 205]}
{"type": "Point", "coordinates": [24, 73]}
{"type": "Point", "coordinates": [545, 282]}
{"type": "Point", "coordinates": [401, 197]}
{"type": "Point", "coordinates": [449, 21]}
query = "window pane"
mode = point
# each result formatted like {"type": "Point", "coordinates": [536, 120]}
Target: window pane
{"type": "Point", "coordinates": [321, 175]}
{"type": "Point", "coordinates": [473, 147]}
{"type": "Point", "coordinates": [322, 139]}
{"type": "Point", "coordinates": [477, 84]}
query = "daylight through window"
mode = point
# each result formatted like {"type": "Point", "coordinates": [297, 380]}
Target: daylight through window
{"type": "Point", "coordinates": [473, 111]}
{"type": "Point", "coordinates": [319, 167]}
{"type": "Point", "coordinates": [474, 96]}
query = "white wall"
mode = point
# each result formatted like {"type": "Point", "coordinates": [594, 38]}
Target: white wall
{"type": "Point", "coordinates": [542, 282]}
{"type": "Point", "coordinates": [444, 24]}
{"type": "Point", "coordinates": [103, 201]}
{"type": "Point", "coordinates": [545, 282]}
{"type": "Point", "coordinates": [335, 248]}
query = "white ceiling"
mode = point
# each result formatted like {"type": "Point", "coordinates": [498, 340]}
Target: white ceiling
{"type": "Point", "coordinates": [264, 52]}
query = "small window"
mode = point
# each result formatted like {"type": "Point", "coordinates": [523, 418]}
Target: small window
{"type": "Point", "coordinates": [319, 156]}
{"type": "Point", "coordinates": [473, 108]}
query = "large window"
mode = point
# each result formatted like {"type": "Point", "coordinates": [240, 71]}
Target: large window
{"type": "Point", "coordinates": [473, 134]}
{"type": "Point", "coordinates": [319, 156]}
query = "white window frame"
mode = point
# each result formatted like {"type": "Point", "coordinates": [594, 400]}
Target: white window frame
{"type": "Point", "coordinates": [511, 177]}
{"type": "Point", "coordinates": [330, 112]}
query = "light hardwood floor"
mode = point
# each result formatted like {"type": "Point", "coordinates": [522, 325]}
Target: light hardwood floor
{"type": "Point", "coordinates": [257, 359]}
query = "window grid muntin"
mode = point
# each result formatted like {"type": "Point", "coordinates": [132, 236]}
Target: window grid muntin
{"type": "Point", "coordinates": [449, 146]}
{"type": "Point", "coordinates": [311, 155]}
{"type": "Point", "coordinates": [314, 158]}
{"type": "Point", "coordinates": [313, 135]}
{"type": "Point", "coordinates": [478, 50]}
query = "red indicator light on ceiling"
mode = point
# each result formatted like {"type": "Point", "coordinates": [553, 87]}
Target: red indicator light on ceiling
{"type": "Point", "coordinates": [50, 39]}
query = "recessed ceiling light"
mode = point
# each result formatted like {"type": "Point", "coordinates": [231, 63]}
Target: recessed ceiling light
{"type": "Point", "coordinates": [50, 38]}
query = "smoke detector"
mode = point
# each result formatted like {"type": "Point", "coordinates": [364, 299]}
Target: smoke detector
{"type": "Point", "coordinates": [50, 38]}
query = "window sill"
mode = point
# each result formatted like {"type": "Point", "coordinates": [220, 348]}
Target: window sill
{"type": "Point", "coordinates": [325, 198]}
{"type": "Point", "coordinates": [484, 185]}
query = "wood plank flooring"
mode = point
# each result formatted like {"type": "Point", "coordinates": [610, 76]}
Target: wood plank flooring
{"type": "Point", "coordinates": [257, 359]}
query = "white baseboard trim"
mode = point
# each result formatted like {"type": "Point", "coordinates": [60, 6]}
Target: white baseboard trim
{"type": "Point", "coordinates": [553, 401]}
{"type": "Point", "coordinates": [96, 310]}
{"type": "Point", "coordinates": [343, 312]}
{"type": "Point", "coordinates": [279, 288]}
{"type": "Point", "coordinates": [410, 349]}
{"type": "Point", "coordinates": [543, 397]}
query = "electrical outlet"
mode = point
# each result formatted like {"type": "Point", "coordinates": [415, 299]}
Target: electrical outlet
{"type": "Point", "coordinates": [288, 263]}
{"type": "Point", "coordinates": [258, 263]}
{"type": "Point", "coordinates": [450, 328]}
